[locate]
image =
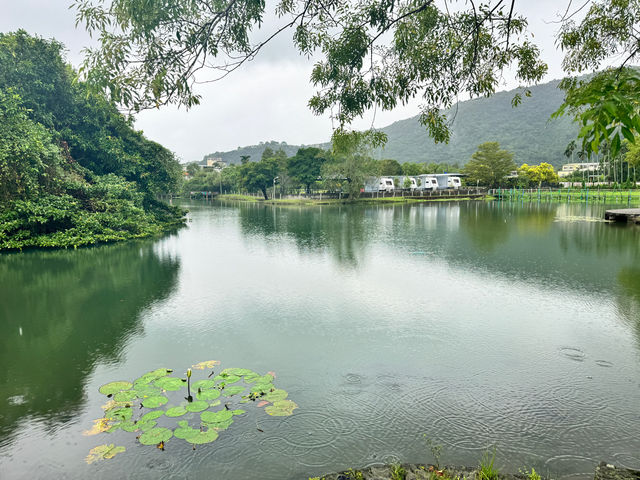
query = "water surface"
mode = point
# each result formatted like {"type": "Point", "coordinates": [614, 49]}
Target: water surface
{"type": "Point", "coordinates": [475, 324]}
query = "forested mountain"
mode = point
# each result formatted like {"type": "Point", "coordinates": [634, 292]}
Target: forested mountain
{"type": "Point", "coordinates": [253, 151]}
{"type": "Point", "coordinates": [73, 170]}
{"type": "Point", "coordinates": [526, 130]}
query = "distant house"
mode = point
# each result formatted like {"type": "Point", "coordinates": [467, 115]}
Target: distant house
{"type": "Point", "coordinates": [569, 168]}
{"type": "Point", "coordinates": [213, 164]}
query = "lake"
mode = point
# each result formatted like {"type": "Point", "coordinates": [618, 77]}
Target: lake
{"type": "Point", "coordinates": [475, 325]}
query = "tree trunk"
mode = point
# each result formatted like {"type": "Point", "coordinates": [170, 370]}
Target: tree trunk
{"type": "Point", "coordinates": [264, 192]}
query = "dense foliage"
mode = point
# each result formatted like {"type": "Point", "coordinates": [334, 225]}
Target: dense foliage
{"type": "Point", "coordinates": [73, 171]}
{"type": "Point", "coordinates": [374, 53]}
{"type": "Point", "coordinates": [489, 165]}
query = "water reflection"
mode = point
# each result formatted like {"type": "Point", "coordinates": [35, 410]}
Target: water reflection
{"type": "Point", "coordinates": [61, 312]}
{"type": "Point", "coordinates": [629, 297]}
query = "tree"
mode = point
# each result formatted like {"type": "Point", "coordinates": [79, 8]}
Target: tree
{"type": "Point", "coordinates": [244, 159]}
{"type": "Point", "coordinates": [605, 104]}
{"type": "Point", "coordinates": [149, 52]}
{"type": "Point", "coordinates": [539, 174]}
{"type": "Point", "coordinates": [306, 165]}
{"type": "Point", "coordinates": [489, 164]}
{"type": "Point", "coordinates": [256, 176]}
{"type": "Point", "coordinates": [411, 169]}
{"type": "Point", "coordinates": [389, 167]}
{"type": "Point", "coordinates": [192, 168]}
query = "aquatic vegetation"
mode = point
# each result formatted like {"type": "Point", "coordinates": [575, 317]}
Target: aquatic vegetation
{"type": "Point", "coordinates": [103, 451]}
{"type": "Point", "coordinates": [398, 472]}
{"type": "Point", "coordinates": [487, 470]}
{"type": "Point", "coordinates": [139, 406]}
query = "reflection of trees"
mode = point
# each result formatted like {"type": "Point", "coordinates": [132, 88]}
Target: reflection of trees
{"type": "Point", "coordinates": [343, 231]}
{"type": "Point", "coordinates": [63, 311]}
{"type": "Point", "coordinates": [628, 299]}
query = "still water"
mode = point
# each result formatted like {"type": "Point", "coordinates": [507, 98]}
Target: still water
{"type": "Point", "coordinates": [479, 325]}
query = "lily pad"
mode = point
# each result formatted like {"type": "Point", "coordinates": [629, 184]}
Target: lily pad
{"type": "Point", "coordinates": [103, 451]}
{"type": "Point", "coordinates": [238, 412]}
{"type": "Point", "coordinates": [281, 408]}
{"type": "Point", "coordinates": [100, 425]}
{"type": "Point", "coordinates": [276, 395]}
{"type": "Point", "coordinates": [121, 413]}
{"type": "Point", "coordinates": [155, 436]}
{"type": "Point", "coordinates": [185, 431]}
{"type": "Point", "coordinates": [202, 436]}
{"type": "Point", "coordinates": [262, 388]}
{"type": "Point", "coordinates": [152, 376]}
{"type": "Point", "coordinates": [215, 404]}
{"type": "Point", "coordinates": [125, 396]}
{"type": "Point", "coordinates": [227, 379]}
{"type": "Point", "coordinates": [216, 417]}
{"type": "Point", "coordinates": [197, 406]}
{"type": "Point", "coordinates": [145, 391]}
{"type": "Point", "coordinates": [129, 426]}
{"type": "Point", "coordinates": [146, 425]}
{"type": "Point", "coordinates": [155, 401]}
{"type": "Point", "coordinates": [234, 390]}
{"type": "Point", "coordinates": [208, 395]}
{"type": "Point", "coordinates": [175, 412]}
{"type": "Point", "coordinates": [206, 364]}
{"type": "Point", "coordinates": [221, 425]}
{"type": "Point", "coordinates": [203, 384]}
{"type": "Point", "coordinates": [171, 384]}
{"type": "Point", "coordinates": [240, 372]}
{"type": "Point", "coordinates": [114, 387]}
{"type": "Point", "coordinates": [147, 417]}
{"type": "Point", "coordinates": [251, 377]}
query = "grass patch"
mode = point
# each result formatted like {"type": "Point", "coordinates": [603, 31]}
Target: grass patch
{"type": "Point", "coordinates": [487, 469]}
{"type": "Point", "coordinates": [398, 472]}
{"type": "Point", "coordinates": [233, 196]}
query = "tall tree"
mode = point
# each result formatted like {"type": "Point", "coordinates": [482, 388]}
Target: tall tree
{"type": "Point", "coordinates": [489, 165]}
{"type": "Point", "coordinates": [306, 165]}
{"type": "Point", "coordinates": [375, 52]}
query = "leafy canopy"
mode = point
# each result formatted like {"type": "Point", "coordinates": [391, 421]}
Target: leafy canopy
{"type": "Point", "coordinates": [373, 52]}
{"type": "Point", "coordinates": [489, 165]}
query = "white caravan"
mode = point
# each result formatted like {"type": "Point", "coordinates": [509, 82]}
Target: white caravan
{"type": "Point", "coordinates": [386, 184]}
{"type": "Point", "coordinates": [454, 182]}
{"type": "Point", "coordinates": [430, 183]}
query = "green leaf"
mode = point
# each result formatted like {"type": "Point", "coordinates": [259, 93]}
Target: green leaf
{"type": "Point", "coordinates": [216, 417]}
{"type": "Point", "coordinates": [155, 436]}
{"type": "Point", "coordinates": [114, 387]}
{"type": "Point", "coordinates": [233, 390]}
{"type": "Point", "coordinates": [203, 384]}
{"type": "Point", "coordinates": [227, 379]}
{"type": "Point", "coordinates": [125, 396]}
{"type": "Point", "coordinates": [147, 417]}
{"type": "Point", "coordinates": [155, 401]}
{"type": "Point", "coordinates": [276, 395]}
{"type": "Point", "coordinates": [197, 406]}
{"type": "Point", "coordinates": [208, 395]}
{"type": "Point", "coordinates": [281, 408]}
{"type": "Point", "coordinates": [103, 452]}
{"type": "Point", "coordinates": [119, 413]}
{"type": "Point", "coordinates": [200, 437]}
{"type": "Point", "coordinates": [175, 412]}
{"type": "Point", "coordinates": [238, 412]}
{"type": "Point", "coordinates": [171, 384]}
{"type": "Point", "coordinates": [240, 372]}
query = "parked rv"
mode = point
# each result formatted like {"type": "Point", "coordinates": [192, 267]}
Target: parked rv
{"type": "Point", "coordinates": [429, 183]}
{"type": "Point", "coordinates": [454, 182]}
{"type": "Point", "coordinates": [386, 184]}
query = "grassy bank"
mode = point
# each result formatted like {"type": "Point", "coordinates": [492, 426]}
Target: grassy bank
{"type": "Point", "coordinates": [604, 196]}
{"type": "Point", "coordinates": [336, 201]}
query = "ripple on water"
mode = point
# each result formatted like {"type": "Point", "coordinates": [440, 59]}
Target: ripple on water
{"type": "Point", "coordinates": [573, 353]}
{"type": "Point", "coordinates": [604, 363]}
{"type": "Point", "coordinates": [317, 428]}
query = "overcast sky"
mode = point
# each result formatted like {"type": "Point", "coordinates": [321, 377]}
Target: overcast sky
{"type": "Point", "coordinates": [265, 101]}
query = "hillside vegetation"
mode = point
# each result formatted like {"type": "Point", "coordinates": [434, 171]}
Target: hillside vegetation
{"type": "Point", "coordinates": [526, 130]}
{"type": "Point", "coordinates": [73, 171]}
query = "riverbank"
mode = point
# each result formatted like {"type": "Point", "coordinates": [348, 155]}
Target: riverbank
{"type": "Point", "coordinates": [357, 201]}
{"type": "Point", "coordinates": [569, 195]}
{"type": "Point", "coordinates": [603, 471]}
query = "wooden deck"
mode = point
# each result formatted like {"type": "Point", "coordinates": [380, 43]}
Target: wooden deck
{"type": "Point", "coordinates": [623, 215]}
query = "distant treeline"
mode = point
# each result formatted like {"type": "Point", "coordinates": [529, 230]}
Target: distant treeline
{"type": "Point", "coordinates": [73, 170]}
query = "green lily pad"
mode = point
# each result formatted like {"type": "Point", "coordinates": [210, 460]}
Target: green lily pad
{"type": "Point", "coordinates": [203, 384]}
{"type": "Point", "coordinates": [155, 436]}
{"type": "Point", "coordinates": [234, 390]}
{"type": "Point", "coordinates": [146, 425]}
{"type": "Point", "coordinates": [175, 412]}
{"type": "Point", "coordinates": [197, 406]}
{"type": "Point", "coordinates": [120, 413]}
{"type": "Point", "coordinates": [114, 387]}
{"type": "Point", "coordinates": [262, 388]}
{"type": "Point", "coordinates": [251, 377]}
{"type": "Point", "coordinates": [221, 425]}
{"type": "Point", "coordinates": [215, 404]}
{"type": "Point", "coordinates": [125, 396]}
{"type": "Point", "coordinates": [103, 451]}
{"type": "Point", "coordinates": [145, 391]}
{"type": "Point", "coordinates": [152, 376]}
{"type": "Point", "coordinates": [208, 395]}
{"type": "Point", "coordinates": [276, 395]}
{"type": "Point", "coordinates": [202, 436]}
{"type": "Point", "coordinates": [227, 379]}
{"type": "Point", "coordinates": [216, 417]}
{"type": "Point", "coordinates": [281, 408]}
{"type": "Point", "coordinates": [147, 417]}
{"type": "Point", "coordinates": [238, 412]}
{"type": "Point", "coordinates": [185, 432]}
{"type": "Point", "coordinates": [171, 384]}
{"type": "Point", "coordinates": [240, 372]}
{"type": "Point", "coordinates": [129, 426]}
{"type": "Point", "coordinates": [155, 401]}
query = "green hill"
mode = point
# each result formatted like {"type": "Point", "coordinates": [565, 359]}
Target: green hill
{"type": "Point", "coordinates": [525, 130]}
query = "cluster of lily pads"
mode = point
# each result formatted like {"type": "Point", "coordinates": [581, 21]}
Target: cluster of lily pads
{"type": "Point", "coordinates": [156, 396]}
